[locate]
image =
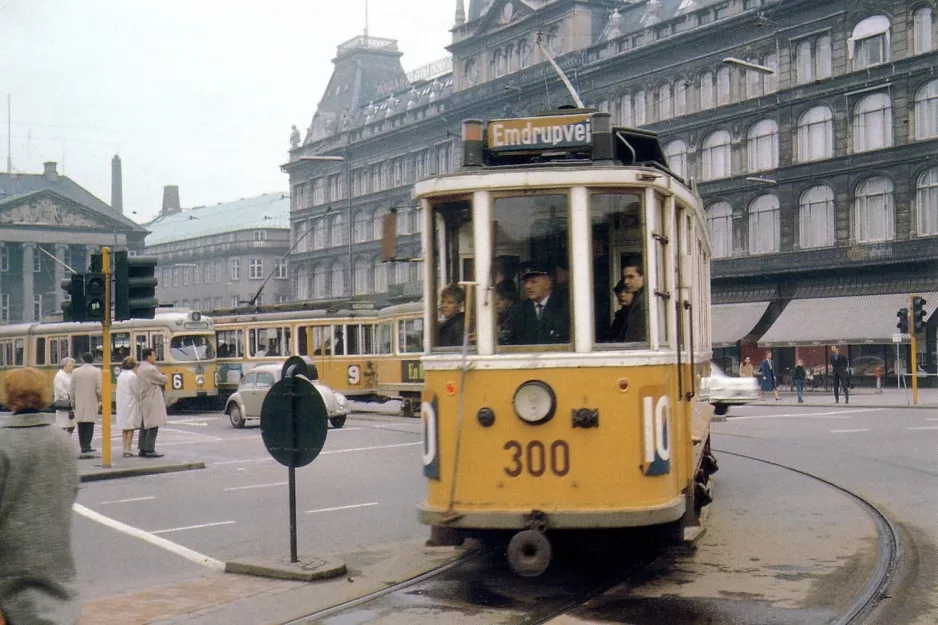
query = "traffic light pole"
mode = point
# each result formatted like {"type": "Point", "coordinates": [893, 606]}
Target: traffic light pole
{"type": "Point", "coordinates": [106, 365]}
{"type": "Point", "coordinates": [913, 365]}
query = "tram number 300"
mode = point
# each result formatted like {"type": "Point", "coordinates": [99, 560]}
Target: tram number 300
{"type": "Point", "coordinates": [536, 458]}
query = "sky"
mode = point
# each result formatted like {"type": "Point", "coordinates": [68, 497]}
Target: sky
{"type": "Point", "coordinates": [195, 93]}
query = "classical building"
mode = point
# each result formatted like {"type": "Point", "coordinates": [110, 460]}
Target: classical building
{"type": "Point", "coordinates": [48, 224]}
{"type": "Point", "coordinates": [221, 256]}
{"type": "Point", "coordinates": [809, 128]}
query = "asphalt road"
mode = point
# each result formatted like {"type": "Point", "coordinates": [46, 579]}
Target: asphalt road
{"type": "Point", "coordinates": [362, 490]}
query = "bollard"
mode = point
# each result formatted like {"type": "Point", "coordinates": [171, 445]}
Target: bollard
{"type": "Point", "coordinates": [879, 380]}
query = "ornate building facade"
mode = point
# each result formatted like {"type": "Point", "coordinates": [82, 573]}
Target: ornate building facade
{"type": "Point", "coordinates": [809, 129]}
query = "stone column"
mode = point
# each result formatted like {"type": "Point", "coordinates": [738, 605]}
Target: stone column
{"type": "Point", "coordinates": [89, 250]}
{"type": "Point", "coordinates": [61, 251]}
{"type": "Point", "coordinates": [28, 278]}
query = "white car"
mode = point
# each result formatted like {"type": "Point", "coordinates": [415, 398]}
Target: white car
{"type": "Point", "coordinates": [246, 402]}
{"type": "Point", "coordinates": [724, 391]}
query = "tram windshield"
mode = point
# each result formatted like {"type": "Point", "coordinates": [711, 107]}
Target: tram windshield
{"type": "Point", "coordinates": [191, 347]}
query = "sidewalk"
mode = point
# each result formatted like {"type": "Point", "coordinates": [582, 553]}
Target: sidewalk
{"type": "Point", "coordinates": [90, 467]}
{"type": "Point", "coordinates": [860, 397]}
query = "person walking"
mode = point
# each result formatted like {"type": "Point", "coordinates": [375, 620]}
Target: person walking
{"type": "Point", "coordinates": [152, 405]}
{"type": "Point", "coordinates": [38, 485]}
{"type": "Point", "coordinates": [768, 376]}
{"type": "Point", "coordinates": [61, 395]}
{"type": "Point", "coordinates": [85, 390]}
{"type": "Point", "coordinates": [798, 377]}
{"type": "Point", "coordinates": [839, 367]}
{"type": "Point", "coordinates": [746, 370]}
{"type": "Point", "coordinates": [128, 410]}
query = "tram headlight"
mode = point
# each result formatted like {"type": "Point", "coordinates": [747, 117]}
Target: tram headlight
{"type": "Point", "coordinates": [199, 380]}
{"type": "Point", "coordinates": [534, 402]}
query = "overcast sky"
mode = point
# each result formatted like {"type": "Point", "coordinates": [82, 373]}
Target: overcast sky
{"type": "Point", "coordinates": [196, 93]}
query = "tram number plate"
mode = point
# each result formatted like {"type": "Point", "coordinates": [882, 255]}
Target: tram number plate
{"type": "Point", "coordinates": [537, 458]}
{"type": "Point", "coordinates": [177, 381]}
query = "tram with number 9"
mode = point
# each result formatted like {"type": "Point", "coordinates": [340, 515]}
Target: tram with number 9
{"type": "Point", "coordinates": [576, 267]}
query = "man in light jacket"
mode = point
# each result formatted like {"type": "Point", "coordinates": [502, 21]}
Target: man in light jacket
{"type": "Point", "coordinates": [86, 399]}
{"type": "Point", "coordinates": [150, 402]}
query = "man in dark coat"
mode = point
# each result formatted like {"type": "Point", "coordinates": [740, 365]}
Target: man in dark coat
{"type": "Point", "coordinates": [635, 328]}
{"type": "Point", "coordinates": [839, 365]}
{"type": "Point", "coordinates": [544, 316]}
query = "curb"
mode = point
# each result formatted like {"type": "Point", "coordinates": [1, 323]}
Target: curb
{"type": "Point", "coordinates": [307, 569]}
{"type": "Point", "coordinates": [114, 474]}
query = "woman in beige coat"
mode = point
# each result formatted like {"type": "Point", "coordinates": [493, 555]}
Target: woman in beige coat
{"type": "Point", "coordinates": [152, 405]}
{"type": "Point", "coordinates": [128, 411]}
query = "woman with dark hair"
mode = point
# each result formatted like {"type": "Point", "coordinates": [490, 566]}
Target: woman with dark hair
{"type": "Point", "coordinates": [38, 485]}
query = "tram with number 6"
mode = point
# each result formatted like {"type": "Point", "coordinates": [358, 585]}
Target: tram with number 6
{"type": "Point", "coordinates": [570, 400]}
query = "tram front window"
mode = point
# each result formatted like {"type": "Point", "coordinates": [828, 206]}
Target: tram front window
{"type": "Point", "coordinates": [455, 262]}
{"type": "Point", "coordinates": [186, 347]}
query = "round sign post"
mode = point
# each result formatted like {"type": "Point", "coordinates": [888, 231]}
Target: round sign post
{"type": "Point", "coordinates": [293, 427]}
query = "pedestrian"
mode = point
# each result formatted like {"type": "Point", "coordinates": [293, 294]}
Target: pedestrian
{"type": "Point", "coordinates": [38, 485]}
{"type": "Point", "coordinates": [839, 367]}
{"type": "Point", "coordinates": [799, 376]}
{"type": "Point", "coordinates": [746, 370]}
{"type": "Point", "coordinates": [86, 399]}
{"type": "Point", "coordinates": [62, 394]}
{"type": "Point", "coordinates": [152, 405]}
{"type": "Point", "coordinates": [128, 410]}
{"type": "Point", "coordinates": [768, 376]}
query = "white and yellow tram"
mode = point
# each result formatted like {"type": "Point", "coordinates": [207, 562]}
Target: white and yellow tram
{"type": "Point", "coordinates": [549, 418]}
{"type": "Point", "coordinates": [184, 342]}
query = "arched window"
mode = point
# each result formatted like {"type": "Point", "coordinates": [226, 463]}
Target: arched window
{"type": "Point", "coordinates": [319, 234]}
{"type": "Point", "coordinates": [680, 97]}
{"type": "Point", "coordinates": [926, 202]}
{"type": "Point", "coordinates": [763, 225]}
{"type": "Point", "coordinates": [874, 212]}
{"type": "Point", "coordinates": [319, 281]}
{"type": "Point", "coordinates": [762, 146]}
{"type": "Point", "coordinates": [804, 62]}
{"type": "Point", "coordinates": [499, 63]}
{"type": "Point", "coordinates": [361, 229]}
{"type": "Point", "coordinates": [720, 223]}
{"type": "Point", "coordinates": [816, 217]}
{"type": "Point", "coordinates": [872, 123]}
{"type": "Point", "coordinates": [337, 278]}
{"type": "Point", "coordinates": [706, 91]}
{"type": "Point", "coordinates": [816, 134]}
{"type": "Point", "coordinates": [511, 58]}
{"type": "Point", "coordinates": [378, 223]}
{"type": "Point", "coordinates": [869, 43]}
{"type": "Point", "coordinates": [638, 109]}
{"type": "Point", "coordinates": [524, 54]}
{"type": "Point", "coordinates": [676, 153]}
{"type": "Point", "coordinates": [716, 156]}
{"type": "Point", "coordinates": [922, 30]}
{"type": "Point", "coordinates": [302, 283]}
{"type": "Point", "coordinates": [724, 86]}
{"type": "Point", "coordinates": [770, 81]}
{"type": "Point", "coordinates": [625, 110]}
{"type": "Point", "coordinates": [926, 111]}
{"type": "Point", "coordinates": [665, 110]}
{"type": "Point", "coordinates": [824, 64]}
{"type": "Point", "coordinates": [381, 276]}
{"type": "Point", "coordinates": [337, 231]}
{"type": "Point", "coordinates": [362, 282]}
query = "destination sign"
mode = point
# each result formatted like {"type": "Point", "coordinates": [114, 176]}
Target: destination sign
{"type": "Point", "coordinates": [540, 133]}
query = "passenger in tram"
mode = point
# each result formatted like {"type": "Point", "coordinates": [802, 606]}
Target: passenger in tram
{"type": "Point", "coordinates": [503, 271]}
{"type": "Point", "coordinates": [625, 304]}
{"type": "Point", "coordinates": [506, 297]}
{"type": "Point", "coordinates": [635, 329]}
{"type": "Point", "coordinates": [543, 317]}
{"type": "Point", "coordinates": [562, 279]}
{"type": "Point", "coordinates": [452, 298]}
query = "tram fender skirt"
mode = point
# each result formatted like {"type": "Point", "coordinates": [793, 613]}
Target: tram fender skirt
{"type": "Point", "coordinates": [529, 553]}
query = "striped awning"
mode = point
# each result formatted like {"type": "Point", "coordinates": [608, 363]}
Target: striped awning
{"type": "Point", "coordinates": [844, 320]}
{"type": "Point", "coordinates": [732, 322]}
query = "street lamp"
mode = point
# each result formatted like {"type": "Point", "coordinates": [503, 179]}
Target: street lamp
{"type": "Point", "coordinates": [762, 69]}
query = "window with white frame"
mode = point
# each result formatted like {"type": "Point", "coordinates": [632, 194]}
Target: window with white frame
{"type": "Point", "coordinates": [217, 271]}
{"type": "Point", "coordinates": [868, 45]}
{"type": "Point", "coordinates": [764, 225]}
{"type": "Point", "coordinates": [337, 230]}
{"type": "Point", "coordinates": [4, 258]}
{"type": "Point", "coordinates": [872, 123]}
{"type": "Point", "coordinates": [402, 272]}
{"type": "Point", "coordinates": [234, 269]}
{"type": "Point", "coordinates": [319, 281]}
{"type": "Point", "coordinates": [381, 276]}
{"type": "Point", "coordinates": [816, 217]}
{"type": "Point", "coordinates": [922, 34]}
{"type": "Point", "coordinates": [319, 234]}
{"type": "Point", "coordinates": [804, 62]}
{"type": "Point", "coordinates": [770, 81]}
{"type": "Point", "coordinates": [207, 273]}
{"type": "Point", "coordinates": [823, 59]}
{"type": "Point", "coordinates": [638, 108]}
{"type": "Point", "coordinates": [361, 229]}
{"type": "Point", "coordinates": [724, 86]}
{"type": "Point", "coordinates": [874, 213]}
{"type": "Point", "coordinates": [753, 81]}
{"type": "Point", "coordinates": [362, 276]}
{"type": "Point", "coordinates": [720, 224]}
{"type": "Point", "coordinates": [337, 279]}
{"type": "Point", "coordinates": [676, 153]}
{"type": "Point", "coordinates": [680, 97]}
{"type": "Point", "coordinates": [665, 104]}
{"type": "Point", "coordinates": [261, 235]}
{"type": "Point", "coordinates": [377, 227]}
{"type": "Point", "coordinates": [816, 134]}
{"type": "Point", "coordinates": [715, 156]}
{"type": "Point", "coordinates": [256, 268]}
{"type": "Point", "coordinates": [4, 307]}
{"type": "Point", "coordinates": [302, 282]}
{"type": "Point", "coordinates": [281, 273]}
{"type": "Point", "coordinates": [707, 99]}
{"type": "Point", "coordinates": [762, 145]}
{"type": "Point", "coordinates": [319, 192]}
{"type": "Point", "coordinates": [926, 202]}
{"type": "Point", "coordinates": [37, 307]}
{"type": "Point", "coordinates": [218, 303]}
{"type": "Point", "coordinates": [926, 111]}
{"type": "Point", "coordinates": [176, 269]}
{"type": "Point", "coordinates": [185, 275]}
{"type": "Point", "coordinates": [196, 274]}
{"type": "Point", "coordinates": [234, 301]}
{"type": "Point", "coordinates": [625, 110]}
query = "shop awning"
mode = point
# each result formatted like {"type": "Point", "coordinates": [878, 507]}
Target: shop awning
{"type": "Point", "coordinates": [732, 322]}
{"type": "Point", "coordinates": [843, 320]}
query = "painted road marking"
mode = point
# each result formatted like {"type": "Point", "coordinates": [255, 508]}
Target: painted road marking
{"type": "Point", "coordinates": [930, 427]}
{"type": "Point", "coordinates": [345, 451]}
{"type": "Point", "coordinates": [827, 415]}
{"type": "Point", "coordinates": [149, 537]}
{"type": "Point", "coordinates": [849, 431]}
{"type": "Point", "coordinates": [358, 505]}
{"type": "Point", "coordinates": [104, 503]}
{"type": "Point", "coordinates": [191, 527]}
{"type": "Point", "coordinates": [255, 486]}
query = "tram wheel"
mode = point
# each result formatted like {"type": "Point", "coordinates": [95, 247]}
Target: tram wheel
{"type": "Point", "coordinates": [529, 553]}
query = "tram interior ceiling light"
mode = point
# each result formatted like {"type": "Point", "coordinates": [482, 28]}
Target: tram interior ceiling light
{"type": "Point", "coordinates": [755, 67]}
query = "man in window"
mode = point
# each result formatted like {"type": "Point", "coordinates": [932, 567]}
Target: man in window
{"type": "Point", "coordinates": [634, 328]}
{"type": "Point", "coordinates": [544, 316]}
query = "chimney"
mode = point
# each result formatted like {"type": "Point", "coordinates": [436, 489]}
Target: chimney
{"type": "Point", "coordinates": [170, 200]}
{"type": "Point", "coordinates": [117, 186]}
{"type": "Point", "coordinates": [49, 171]}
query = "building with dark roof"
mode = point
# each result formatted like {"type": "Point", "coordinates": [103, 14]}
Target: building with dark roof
{"type": "Point", "coordinates": [49, 222]}
{"type": "Point", "coordinates": [809, 128]}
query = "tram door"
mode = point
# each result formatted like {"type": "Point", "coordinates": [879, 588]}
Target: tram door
{"type": "Point", "coordinates": [144, 339]}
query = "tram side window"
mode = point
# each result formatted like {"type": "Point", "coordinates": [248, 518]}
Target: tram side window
{"type": "Point", "coordinates": [156, 342]}
{"type": "Point", "coordinates": [54, 352]}
{"type": "Point", "coordinates": [141, 344]}
{"type": "Point", "coordinates": [63, 348]}
{"type": "Point", "coordinates": [620, 301]}
{"type": "Point", "coordinates": [191, 347]}
{"type": "Point", "coordinates": [81, 344]}
{"type": "Point", "coordinates": [322, 340]}
{"type": "Point", "coordinates": [230, 343]}
{"type": "Point", "coordinates": [97, 348]}
{"type": "Point", "coordinates": [384, 338]}
{"type": "Point", "coordinates": [120, 346]}
{"type": "Point", "coordinates": [267, 342]}
{"type": "Point", "coordinates": [41, 351]}
{"type": "Point", "coordinates": [353, 334]}
{"type": "Point", "coordinates": [8, 353]}
{"type": "Point", "coordinates": [19, 352]}
{"type": "Point", "coordinates": [410, 336]}
{"type": "Point", "coordinates": [455, 262]}
{"type": "Point", "coordinates": [530, 270]}
{"type": "Point", "coordinates": [338, 341]}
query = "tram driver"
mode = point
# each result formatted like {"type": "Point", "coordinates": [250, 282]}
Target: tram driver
{"type": "Point", "coordinates": [544, 316]}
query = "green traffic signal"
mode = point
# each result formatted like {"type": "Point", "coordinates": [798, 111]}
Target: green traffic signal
{"type": "Point", "coordinates": [95, 303]}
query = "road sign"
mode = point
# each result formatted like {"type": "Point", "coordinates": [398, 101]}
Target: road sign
{"type": "Point", "coordinates": [898, 338]}
{"type": "Point", "coordinates": [294, 422]}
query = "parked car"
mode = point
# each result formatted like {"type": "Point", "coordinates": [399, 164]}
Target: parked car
{"type": "Point", "coordinates": [725, 391]}
{"type": "Point", "coordinates": [246, 402]}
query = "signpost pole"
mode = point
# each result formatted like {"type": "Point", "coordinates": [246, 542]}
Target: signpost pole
{"type": "Point", "coordinates": [106, 364]}
{"type": "Point", "coordinates": [294, 416]}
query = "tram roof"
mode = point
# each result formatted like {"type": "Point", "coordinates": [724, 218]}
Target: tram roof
{"type": "Point", "coordinates": [176, 318]}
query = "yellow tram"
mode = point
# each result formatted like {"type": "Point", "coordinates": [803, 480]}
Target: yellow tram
{"type": "Point", "coordinates": [544, 415]}
{"type": "Point", "coordinates": [184, 342]}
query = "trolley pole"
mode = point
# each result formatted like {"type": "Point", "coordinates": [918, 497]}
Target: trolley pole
{"type": "Point", "coordinates": [106, 365]}
{"type": "Point", "coordinates": [913, 365]}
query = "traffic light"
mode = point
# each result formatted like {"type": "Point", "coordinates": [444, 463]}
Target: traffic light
{"type": "Point", "coordinates": [903, 324]}
{"type": "Point", "coordinates": [918, 313]}
{"type": "Point", "coordinates": [95, 302]}
{"type": "Point", "coordinates": [74, 309]}
{"type": "Point", "coordinates": [134, 287]}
